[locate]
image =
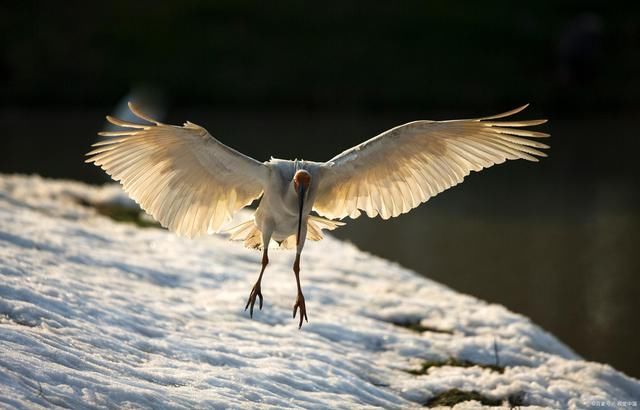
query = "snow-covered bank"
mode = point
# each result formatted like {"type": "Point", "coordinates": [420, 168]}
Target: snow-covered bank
{"type": "Point", "coordinates": [96, 313]}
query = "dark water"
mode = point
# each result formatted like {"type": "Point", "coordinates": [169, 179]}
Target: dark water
{"type": "Point", "coordinates": [573, 272]}
{"type": "Point", "coordinates": [556, 241]}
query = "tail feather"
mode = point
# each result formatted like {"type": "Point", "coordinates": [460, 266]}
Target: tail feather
{"type": "Point", "coordinates": [316, 224]}
{"type": "Point", "coordinates": [252, 236]}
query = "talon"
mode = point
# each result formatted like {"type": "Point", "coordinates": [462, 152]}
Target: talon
{"type": "Point", "coordinates": [255, 293]}
{"type": "Point", "coordinates": [303, 309]}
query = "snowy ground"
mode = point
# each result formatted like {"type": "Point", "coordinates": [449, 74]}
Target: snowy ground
{"type": "Point", "coordinates": [97, 313]}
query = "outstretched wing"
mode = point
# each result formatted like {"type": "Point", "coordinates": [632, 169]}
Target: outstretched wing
{"type": "Point", "coordinates": [186, 179]}
{"type": "Point", "coordinates": [399, 169]}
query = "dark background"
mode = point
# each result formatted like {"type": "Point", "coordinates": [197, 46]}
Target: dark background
{"type": "Point", "coordinates": [556, 241]}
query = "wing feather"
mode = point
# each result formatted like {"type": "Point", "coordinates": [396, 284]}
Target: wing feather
{"type": "Point", "coordinates": [403, 167]}
{"type": "Point", "coordinates": [185, 178]}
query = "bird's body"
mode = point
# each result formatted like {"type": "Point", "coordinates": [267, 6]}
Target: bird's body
{"type": "Point", "coordinates": [278, 208]}
{"type": "Point", "coordinates": [193, 184]}
{"type": "Point", "coordinates": [278, 211]}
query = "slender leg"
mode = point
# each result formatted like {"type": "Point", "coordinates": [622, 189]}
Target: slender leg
{"type": "Point", "coordinates": [300, 298]}
{"type": "Point", "coordinates": [256, 291]}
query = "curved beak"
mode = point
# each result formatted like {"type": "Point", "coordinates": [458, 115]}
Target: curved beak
{"type": "Point", "coordinates": [301, 203]}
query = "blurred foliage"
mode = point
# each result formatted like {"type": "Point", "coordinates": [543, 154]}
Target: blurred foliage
{"type": "Point", "coordinates": [126, 214]}
{"type": "Point", "coordinates": [353, 55]}
{"type": "Point", "coordinates": [452, 361]}
{"type": "Point", "coordinates": [450, 398]}
{"type": "Point", "coordinates": [417, 326]}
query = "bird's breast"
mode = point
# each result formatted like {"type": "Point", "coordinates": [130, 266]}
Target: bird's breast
{"type": "Point", "coordinates": [281, 212]}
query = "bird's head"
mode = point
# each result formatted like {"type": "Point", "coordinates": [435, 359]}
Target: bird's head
{"type": "Point", "coordinates": [301, 182]}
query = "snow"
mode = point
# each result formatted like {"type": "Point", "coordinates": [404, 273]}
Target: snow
{"type": "Point", "coordinates": [98, 313]}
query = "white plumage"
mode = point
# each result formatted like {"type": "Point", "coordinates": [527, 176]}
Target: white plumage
{"type": "Point", "coordinates": [186, 179]}
{"type": "Point", "coordinates": [192, 183]}
{"type": "Point", "coordinates": [403, 167]}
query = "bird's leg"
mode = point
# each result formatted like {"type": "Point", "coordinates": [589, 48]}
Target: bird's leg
{"type": "Point", "coordinates": [300, 298]}
{"type": "Point", "coordinates": [255, 292]}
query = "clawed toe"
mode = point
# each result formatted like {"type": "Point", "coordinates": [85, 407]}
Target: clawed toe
{"type": "Point", "coordinates": [255, 293]}
{"type": "Point", "coordinates": [303, 309]}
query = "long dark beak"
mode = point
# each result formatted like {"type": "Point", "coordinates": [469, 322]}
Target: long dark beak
{"type": "Point", "coordinates": [301, 203]}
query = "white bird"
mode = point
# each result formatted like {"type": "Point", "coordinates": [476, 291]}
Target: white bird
{"type": "Point", "coordinates": [192, 183]}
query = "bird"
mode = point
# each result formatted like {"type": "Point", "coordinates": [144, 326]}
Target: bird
{"type": "Point", "coordinates": [193, 184]}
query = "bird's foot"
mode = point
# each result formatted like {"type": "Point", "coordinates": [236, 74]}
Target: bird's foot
{"type": "Point", "coordinates": [303, 310]}
{"type": "Point", "coordinates": [255, 293]}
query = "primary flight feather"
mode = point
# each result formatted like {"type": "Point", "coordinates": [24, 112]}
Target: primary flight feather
{"type": "Point", "coordinates": [193, 184]}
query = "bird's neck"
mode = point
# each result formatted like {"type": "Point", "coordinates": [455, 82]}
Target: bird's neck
{"type": "Point", "coordinates": [291, 201]}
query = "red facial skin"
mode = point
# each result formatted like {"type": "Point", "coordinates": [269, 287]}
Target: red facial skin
{"type": "Point", "coordinates": [301, 179]}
